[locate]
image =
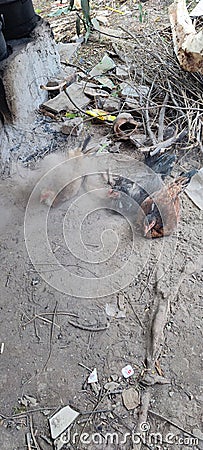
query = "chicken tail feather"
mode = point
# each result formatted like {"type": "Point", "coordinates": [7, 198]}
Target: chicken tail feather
{"type": "Point", "coordinates": [85, 143]}
{"type": "Point", "coordinates": [183, 180]}
{"type": "Point", "coordinates": [162, 164]}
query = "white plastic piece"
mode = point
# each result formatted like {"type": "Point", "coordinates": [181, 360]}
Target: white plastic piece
{"type": "Point", "coordinates": [127, 371]}
{"type": "Point", "coordinates": [93, 378]}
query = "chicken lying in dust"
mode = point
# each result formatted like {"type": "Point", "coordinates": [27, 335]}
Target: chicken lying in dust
{"type": "Point", "coordinates": [162, 209]}
{"type": "Point", "coordinates": [147, 178]}
{"type": "Point", "coordinates": [54, 179]}
{"type": "Point", "coordinates": [53, 194]}
{"type": "Point", "coordinates": [159, 210]}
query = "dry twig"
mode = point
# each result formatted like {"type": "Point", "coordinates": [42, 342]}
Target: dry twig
{"type": "Point", "coordinates": [86, 328]}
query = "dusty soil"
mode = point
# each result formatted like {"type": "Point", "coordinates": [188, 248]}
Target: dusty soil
{"type": "Point", "coordinates": [47, 357]}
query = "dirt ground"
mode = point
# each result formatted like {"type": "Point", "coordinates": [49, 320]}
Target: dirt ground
{"type": "Point", "coordinates": [54, 334]}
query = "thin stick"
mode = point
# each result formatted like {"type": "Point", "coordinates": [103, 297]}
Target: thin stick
{"type": "Point", "coordinates": [147, 119]}
{"type": "Point", "coordinates": [173, 424]}
{"type": "Point", "coordinates": [85, 367]}
{"type": "Point", "coordinates": [110, 35]}
{"type": "Point", "coordinates": [36, 331]}
{"type": "Point", "coordinates": [51, 337]}
{"type": "Point", "coordinates": [99, 411]}
{"type": "Point", "coordinates": [161, 119]}
{"type": "Point", "coordinates": [133, 309]}
{"type": "Point", "coordinates": [33, 434]}
{"type": "Point", "coordinates": [41, 318]}
{"type": "Point", "coordinates": [74, 104]}
{"type": "Point", "coordinates": [58, 87]}
{"type": "Point", "coordinates": [28, 439]}
{"type": "Point", "coordinates": [67, 63]}
{"type": "Point", "coordinates": [60, 313]}
{"type": "Point", "coordinates": [90, 416]}
{"type": "Point", "coordinates": [26, 413]}
{"type": "Point", "coordinates": [163, 145]}
{"type": "Point", "coordinates": [48, 114]}
{"type": "Point", "coordinates": [83, 327]}
{"type": "Point", "coordinates": [174, 100]}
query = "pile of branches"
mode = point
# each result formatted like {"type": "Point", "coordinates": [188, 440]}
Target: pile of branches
{"type": "Point", "coordinates": [175, 97]}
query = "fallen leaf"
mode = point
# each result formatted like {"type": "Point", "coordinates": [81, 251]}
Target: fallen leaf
{"type": "Point", "coordinates": [100, 115]}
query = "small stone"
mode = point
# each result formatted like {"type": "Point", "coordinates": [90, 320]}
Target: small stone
{"type": "Point", "coordinates": [111, 104]}
{"type": "Point", "coordinates": [122, 71]}
{"type": "Point", "coordinates": [171, 394]}
{"type": "Point", "coordinates": [114, 377]}
{"type": "Point", "coordinates": [73, 126]}
{"type": "Point", "coordinates": [121, 301]}
{"type": "Point", "coordinates": [198, 433]}
{"type": "Point", "coordinates": [111, 387]}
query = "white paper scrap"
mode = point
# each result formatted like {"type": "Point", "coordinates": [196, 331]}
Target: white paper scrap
{"type": "Point", "coordinates": [62, 420]}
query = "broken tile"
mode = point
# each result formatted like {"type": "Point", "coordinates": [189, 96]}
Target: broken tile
{"type": "Point", "coordinates": [94, 91]}
{"type": "Point", "coordinates": [62, 420]}
{"type": "Point", "coordinates": [67, 51]}
{"type": "Point", "coordinates": [198, 10]}
{"type": "Point", "coordinates": [194, 189]}
{"type": "Point", "coordinates": [62, 103]}
{"type": "Point", "coordinates": [122, 71]}
{"type": "Point", "coordinates": [102, 67]}
{"type": "Point", "coordinates": [134, 91]}
{"type": "Point", "coordinates": [105, 81]}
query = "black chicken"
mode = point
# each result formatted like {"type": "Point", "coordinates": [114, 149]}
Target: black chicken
{"type": "Point", "coordinates": [148, 179]}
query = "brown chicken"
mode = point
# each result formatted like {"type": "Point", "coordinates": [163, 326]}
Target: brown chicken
{"type": "Point", "coordinates": [160, 212]}
{"type": "Point", "coordinates": [51, 195]}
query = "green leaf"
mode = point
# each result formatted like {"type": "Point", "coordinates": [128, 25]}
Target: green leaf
{"type": "Point", "coordinates": [140, 13]}
{"type": "Point", "coordinates": [70, 115]}
{"type": "Point", "coordinates": [78, 26]}
{"type": "Point", "coordinates": [87, 34]}
{"type": "Point", "coordinates": [38, 11]}
{"type": "Point", "coordinates": [71, 4]}
{"type": "Point", "coordinates": [86, 10]}
{"type": "Point", "coordinates": [59, 11]}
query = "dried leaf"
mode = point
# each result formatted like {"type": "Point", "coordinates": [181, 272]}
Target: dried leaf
{"type": "Point", "coordinates": [100, 115]}
{"type": "Point", "coordinates": [78, 26]}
